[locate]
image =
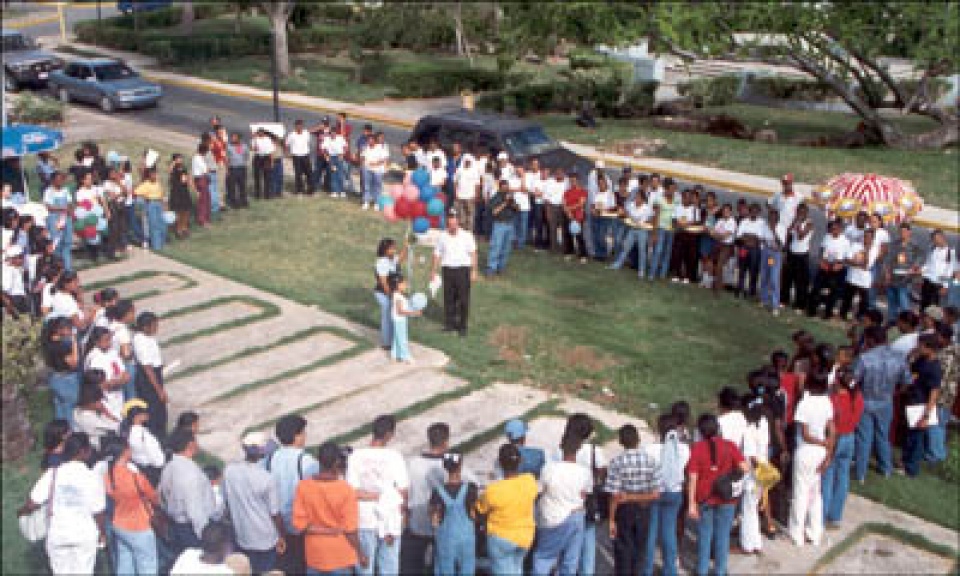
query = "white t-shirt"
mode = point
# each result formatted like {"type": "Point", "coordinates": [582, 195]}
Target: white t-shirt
{"type": "Point", "coordinates": [121, 335]}
{"type": "Point", "coordinates": [113, 191]}
{"type": "Point", "coordinates": [756, 440]}
{"type": "Point", "coordinates": [404, 303]}
{"type": "Point", "coordinates": [146, 350]}
{"type": "Point", "coordinates": [13, 280]}
{"type": "Point", "coordinates": [640, 213]}
{"type": "Point", "coordinates": [466, 181]}
{"type": "Point", "coordinates": [733, 426]}
{"type": "Point", "coordinates": [774, 239]}
{"type": "Point", "coordinates": [686, 214]}
{"type": "Point", "coordinates": [375, 157]}
{"type": "Point", "coordinates": [801, 245]}
{"type": "Point", "coordinates": [605, 201]}
{"type": "Point", "coordinates": [62, 304]}
{"type": "Point", "coordinates": [519, 196]}
{"type": "Point", "coordinates": [853, 233]}
{"type": "Point", "coordinates": [787, 206]}
{"type": "Point", "coordinates": [939, 265]}
{"type": "Point", "coordinates": [374, 470]}
{"type": "Point", "coordinates": [905, 344]}
{"type": "Point", "coordinates": [814, 410]}
{"type": "Point", "coordinates": [726, 225]}
{"type": "Point", "coordinates": [456, 251]}
{"type": "Point", "coordinates": [562, 489]}
{"type": "Point", "coordinates": [655, 450]}
{"type": "Point", "coordinates": [534, 186]}
{"type": "Point", "coordinates": [198, 166]}
{"type": "Point", "coordinates": [189, 564]}
{"type": "Point", "coordinates": [78, 494]}
{"type": "Point", "coordinates": [881, 236]}
{"type": "Point", "coordinates": [750, 226]}
{"type": "Point", "coordinates": [298, 143]}
{"type": "Point", "coordinates": [57, 196]}
{"type": "Point", "coordinates": [263, 145]}
{"type": "Point", "coordinates": [589, 455]}
{"type": "Point", "coordinates": [835, 248]}
{"type": "Point", "coordinates": [386, 266]}
{"type": "Point", "coordinates": [553, 191]}
{"type": "Point", "coordinates": [438, 153]}
{"type": "Point", "coordinates": [145, 449]}
{"type": "Point", "coordinates": [862, 276]}
{"type": "Point", "coordinates": [92, 194]}
{"type": "Point", "coordinates": [438, 177]}
{"type": "Point", "coordinates": [334, 145]}
{"type": "Point", "coordinates": [112, 366]}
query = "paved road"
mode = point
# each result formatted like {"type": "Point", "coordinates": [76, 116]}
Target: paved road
{"type": "Point", "coordinates": [49, 25]}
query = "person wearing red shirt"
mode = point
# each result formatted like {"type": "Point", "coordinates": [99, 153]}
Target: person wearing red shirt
{"type": "Point", "coordinates": [574, 200]}
{"type": "Point", "coordinates": [847, 408]}
{"type": "Point", "coordinates": [710, 459]}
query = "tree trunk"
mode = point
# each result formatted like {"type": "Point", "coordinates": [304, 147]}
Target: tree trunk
{"type": "Point", "coordinates": [281, 48]}
{"type": "Point", "coordinates": [239, 17]}
{"type": "Point", "coordinates": [945, 135]}
{"type": "Point", "coordinates": [186, 16]}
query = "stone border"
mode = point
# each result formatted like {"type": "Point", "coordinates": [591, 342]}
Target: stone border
{"type": "Point", "coordinates": [267, 310]}
{"type": "Point", "coordinates": [890, 531]}
{"type": "Point", "coordinates": [142, 275]}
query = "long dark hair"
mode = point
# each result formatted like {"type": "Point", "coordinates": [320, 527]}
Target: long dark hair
{"type": "Point", "coordinates": [384, 245]}
{"type": "Point", "coordinates": [66, 277]}
{"type": "Point", "coordinates": [112, 452]}
{"type": "Point", "coordinates": [119, 310]}
{"type": "Point", "coordinates": [709, 428]}
{"type": "Point", "coordinates": [96, 334]}
{"type": "Point", "coordinates": [51, 327]}
{"type": "Point", "coordinates": [145, 320]}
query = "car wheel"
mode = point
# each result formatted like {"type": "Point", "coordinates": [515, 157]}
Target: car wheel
{"type": "Point", "coordinates": [10, 83]}
{"type": "Point", "coordinates": [64, 95]}
{"type": "Point", "coordinates": [106, 104]}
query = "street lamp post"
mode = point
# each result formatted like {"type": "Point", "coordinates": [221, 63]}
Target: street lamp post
{"type": "Point", "coordinates": [276, 78]}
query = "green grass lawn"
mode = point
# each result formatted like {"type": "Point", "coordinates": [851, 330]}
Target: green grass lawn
{"type": "Point", "coordinates": [936, 174]}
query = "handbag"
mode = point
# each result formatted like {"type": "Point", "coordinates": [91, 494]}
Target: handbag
{"type": "Point", "coordinates": [597, 503]}
{"type": "Point", "coordinates": [34, 526]}
{"type": "Point", "coordinates": [159, 522]}
{"type": "Point", "coordinates": [727, 486]}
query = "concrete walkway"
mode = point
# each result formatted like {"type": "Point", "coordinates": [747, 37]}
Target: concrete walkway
{"type": "Point", "coordinates": [405, 113]}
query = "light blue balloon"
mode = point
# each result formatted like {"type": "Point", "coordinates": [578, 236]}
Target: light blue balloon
{"type": "Point", "coordinates": [418, 301]}
{"type": "Point", "coordinates": [420, 177]}
{"type": "Point", "coordinates": [101, 225]}
{"type": "Point", "coordinates": [435, 207]}
{"type": "Point", "coordinates": [421, 225]}
{"type": "Point", "coordinates": [385, 200]}
{"type": "Point", "coordinates": [427, 193]}
{"type": "Point", "coordinates": [574, 227]}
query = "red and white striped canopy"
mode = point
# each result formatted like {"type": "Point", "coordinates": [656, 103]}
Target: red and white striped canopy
{"type": "Point", "coordinates": [894, 199]}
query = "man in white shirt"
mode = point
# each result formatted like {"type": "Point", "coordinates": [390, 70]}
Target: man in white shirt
{"type": "Point", "coordinates": [521, 195]}
{"type": "Point", "coordinates": [298, 146]}
{"type": "Point", "coordinates": [533, 180]}
{"type": "Point", "coordinates": [456, 258]}
{"type": "Point", "coordinates": [374, 156]}
{"type": "Point", "coordinates": [333, 147]}
{"type": "Point", "coordinates": [787, 201]}
{"type": "Point", "coordinates": [748, 233]}
{"type": "Point", "coordinates": [553, 191]}
{"type": "Point", "coordinates": [466, 186]}
{"type": "Point", "coordinates": [772, 242]}
{"type": "Point", "coordinates": [263, 150]}
{"type": "Point", "coordinates": [796, 269]}
{"type": "Point", "coordinates": [564, 486]}
{"type": "Point", "coordinates": [438, 173]}
{"type": "Point", "coordinates": [937, 270]}
{"type": "Point", "coordinates": [832, 272]}
{"type": "Point", "coordinates": [15, 300]}
{"type": "Point", "coordinates": [373, 471]}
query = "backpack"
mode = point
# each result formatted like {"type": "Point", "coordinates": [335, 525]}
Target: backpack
{"type": "Point", "coordinates": [728, 486]}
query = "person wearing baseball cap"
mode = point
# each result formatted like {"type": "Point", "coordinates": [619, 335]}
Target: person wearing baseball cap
{"type": "Point", "coordinates": [255, 506]}
{"type": "Point", "coordinates": [786, 201]}
{"type": "Point", "coordinates": [15, 300]}
{"type": "Point", "coordinates": [531, 459]}
{"type": "Point", "coordinates": [455, 265]}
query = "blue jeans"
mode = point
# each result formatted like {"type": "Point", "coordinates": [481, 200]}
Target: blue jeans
{"type": "Point", "coordinates": [214, 187]}
{"type": "Point", "coordinates": [383, 558]}
{"type": "Point", "coordinates": [400, 350]}
{"type": "Point", "coordinates": [261, 560]}
{"type": "Point", "coordinates": [713, 532]}
{"type": "Point", "coordinates": [601, 229]}
{"type": "Point", "coordinates": [62, 238]}
{"type": "Point", "coordinates": [749, 266]}
{"type": "Point", "coordinates": [65, 387]}
{"type": "Point", "coordinates": [521, 228]}
{"type": "Point", "coordinates": [372, 186]}
{"type": "Point", "coordinates": [634, 237]}
{"type": "Point", "coordinates": [337, 171]}
{"type": "Point", "coordinates": [913, 450]}
{"type": "Point", "coordinates": [456, 557]}
{"type": "Point", "coordinates": [660, 262]}
{"type": "Point", "coordinates": [506, 558]}
{"type": "Point", "coordinates": [663, 529]}
{"type": "Point", "coordinates": [588, 553]}
{"type": "Point", "coordinates": [135, 552]}
{"type": "Point", "coordinates": [386, 318]}
{"type": "Point", "coordinates": [618, 230]}
{"type": "Point", "coordinates": [134, 223]}
{"type": "Point", "coordinates": [935, 441]}
{"type": "Point", "coordinates": [836, 479]}
{"type": "Point", "coordinates": [158, 228]}
{"type": "Point", "coordinates": [560, 546]}
{"type": "Point", "coordinates": [337, 572]}
{"type": "Point", "coordinates": [874, 430]}
{"type": "Point", "coordinates": [501, 241]}
{"type": "Point", "coordinates": [898, 300]}
{"type": "Point", "coordinates": [770, 263]}
{"type": "Point", "coordinates": [182, 537]}
{"type": "Point", "coordinates": [130, 389]}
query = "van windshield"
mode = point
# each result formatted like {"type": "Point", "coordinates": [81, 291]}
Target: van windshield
{"type": "Point", "coordinates": [532, 140]}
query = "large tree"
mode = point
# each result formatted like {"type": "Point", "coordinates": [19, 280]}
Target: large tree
{"type": "Point", "coordinates": [841, 44]}
{"type": "Point", "coordinates": [278, 12]}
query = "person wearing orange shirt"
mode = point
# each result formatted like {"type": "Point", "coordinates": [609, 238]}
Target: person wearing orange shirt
{"type": "Point", "coordinates": [134, 499]}
{"type": "Point", "coordinates": [325, 510]}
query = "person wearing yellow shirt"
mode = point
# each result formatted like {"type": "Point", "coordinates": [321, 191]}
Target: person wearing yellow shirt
{"type": "Point", "coordinates": [152, 194]}
{"type": "Point", "coordinates": [509, 505]}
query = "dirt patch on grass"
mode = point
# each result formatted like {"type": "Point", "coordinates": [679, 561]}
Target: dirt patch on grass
{"type": "Point", "coordinates": [511, 342]}
{"type": "Point", "coordinates": [586, 358]}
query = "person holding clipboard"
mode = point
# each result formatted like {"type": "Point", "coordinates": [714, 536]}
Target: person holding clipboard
{"type": "Point", "coordinates": [920, 398]}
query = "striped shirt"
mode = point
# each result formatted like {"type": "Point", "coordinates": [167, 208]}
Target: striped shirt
{"type": "Point", "coordinates": [633, 472]}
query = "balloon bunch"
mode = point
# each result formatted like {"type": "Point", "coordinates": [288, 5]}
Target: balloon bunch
{"type": "Point", "coordinates": [89, 220]}
{"type": "Point", "coordinates": [415, 200]}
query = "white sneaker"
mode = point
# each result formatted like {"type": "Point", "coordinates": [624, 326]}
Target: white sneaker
{"type": "Point", "coordinates": [675, 280]}
{"type": "Point", "coordinates": [366, 206]}
{"type": "Point", "coordinates": [686, 280]}
{"type": "Point", "coordinates": [376, 208]}
{"type": "Point", "coordinates": [776, 311]}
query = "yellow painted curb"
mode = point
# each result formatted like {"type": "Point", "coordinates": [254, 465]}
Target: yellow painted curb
{"type": "Point", "coordinates": [28, 22]}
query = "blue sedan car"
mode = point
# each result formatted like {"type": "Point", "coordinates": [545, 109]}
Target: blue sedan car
{"type": "Point", "coordinates": [111, 84]}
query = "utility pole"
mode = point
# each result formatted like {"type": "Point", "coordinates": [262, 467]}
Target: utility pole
{"type": "Point", "coordinates": [276, 78]}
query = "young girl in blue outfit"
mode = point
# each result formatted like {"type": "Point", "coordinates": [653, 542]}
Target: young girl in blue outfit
{"type": "Point", "coordinates": [400, 311]}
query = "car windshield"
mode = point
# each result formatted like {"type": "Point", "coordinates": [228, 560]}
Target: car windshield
{"type": "Point", "coordinates": [117, 71]}
{"type": "Point", "coordinates": [16, 42]}
{"type": "Point", "coordinates": [528, 141]}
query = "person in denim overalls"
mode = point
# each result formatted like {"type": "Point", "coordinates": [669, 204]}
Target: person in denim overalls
{"type": "Point", "coordinates": [453, 518]}
{"type": "Point", "coordinates": [59, 202]}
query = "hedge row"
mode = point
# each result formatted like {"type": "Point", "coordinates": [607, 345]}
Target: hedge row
{"type": "Point", "coordinates": [780, 88]}
{"type": "Point", "coordinates": [610, 98]}
{"type": "Point", "coordinates": [718, 91]}
{"type": "Point", "coordinates": [434, 79]}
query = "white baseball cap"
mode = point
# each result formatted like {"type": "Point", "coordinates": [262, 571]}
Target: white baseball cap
{"type": "Point", "coordinates": [503, 156]}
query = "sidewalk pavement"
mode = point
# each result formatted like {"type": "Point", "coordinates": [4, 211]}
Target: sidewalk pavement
{"type": "Point", "coordinates": [405, 113]}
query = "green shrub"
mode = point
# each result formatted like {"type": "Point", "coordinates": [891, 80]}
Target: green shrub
{"type": "Point", "coordinates": [30, 109]}
{"type": "Point", "coordinates": [109, 36]}
{"type": "Point", "coordinates": [718, 91]}
{"type": "Point", "coordinates": [780, 88]}
{"type": "Point", "coordinates": [398, 25]}
{"type": "Point", "coordinates": [434, 79]}
{"type": "Point", "coordinates": [186, 49]}
{"type": "Point", "coordinates": [581, 58]}
{"type": "Point", "coordinates": [331, 39]}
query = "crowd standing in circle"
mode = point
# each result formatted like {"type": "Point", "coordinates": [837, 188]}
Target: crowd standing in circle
{"type": "Point", "coordinates": [778, 453]}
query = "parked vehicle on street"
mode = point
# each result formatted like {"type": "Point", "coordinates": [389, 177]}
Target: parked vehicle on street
{"type": "Point", "coordinates": [24, 63]}
{"type": "Point", "coordinates": [521, 139]}
{"type": "Point", "coordinates": [110, 84]}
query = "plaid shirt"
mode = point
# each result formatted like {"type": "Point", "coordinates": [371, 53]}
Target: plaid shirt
{"type": "Point", "coordinates": [633, 472]}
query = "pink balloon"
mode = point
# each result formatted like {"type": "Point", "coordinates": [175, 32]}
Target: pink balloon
{"type": "Point", "coordinates": [411, 192]}
{"type": "Point", "coordinates": [390, 213]}
{"type": "Point", "coordinates": [395, 190]}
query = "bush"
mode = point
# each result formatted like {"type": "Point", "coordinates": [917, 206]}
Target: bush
{"type": "Point", "coordinates": [21, 370]}
{"type": "Point", "coordinates": [780, 88]}
{"type": "Point", "coordinates": [434, 79]}
{"type": "Point", "coordinates": [718, 91]}
{"type": "Point", "coordinates": [612, 96]}
{"type": "Point", "coordinates": [110, 36]}
{"type": "Point", "coordinates": [30, 109]}
{"type": "Point", "coordinates": [330, 39]}
{"type": "Point", "coordinates": [397, 25]}
{"type": "Point", "coordinates": [581, 58]}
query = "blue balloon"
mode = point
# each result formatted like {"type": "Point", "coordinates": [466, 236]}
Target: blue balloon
{"type": "Point", "coordinates": [421, 225]}
{"type": "Point", "coordinates": [427, 193]}
{"type": "Point", "coordinates": [420, 177]}
{"type": "Point", "coordinates": [435, 207]}
{"type": "Point", "coordinates": [385, 200]}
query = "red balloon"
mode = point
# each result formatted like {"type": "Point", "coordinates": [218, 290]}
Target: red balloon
{"type": "Point", "coordinates": [434, 221]}
{"type": "Point", "coordinates": [420, 209]}
{"type": "Point", "coordinates": [403, 208]}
